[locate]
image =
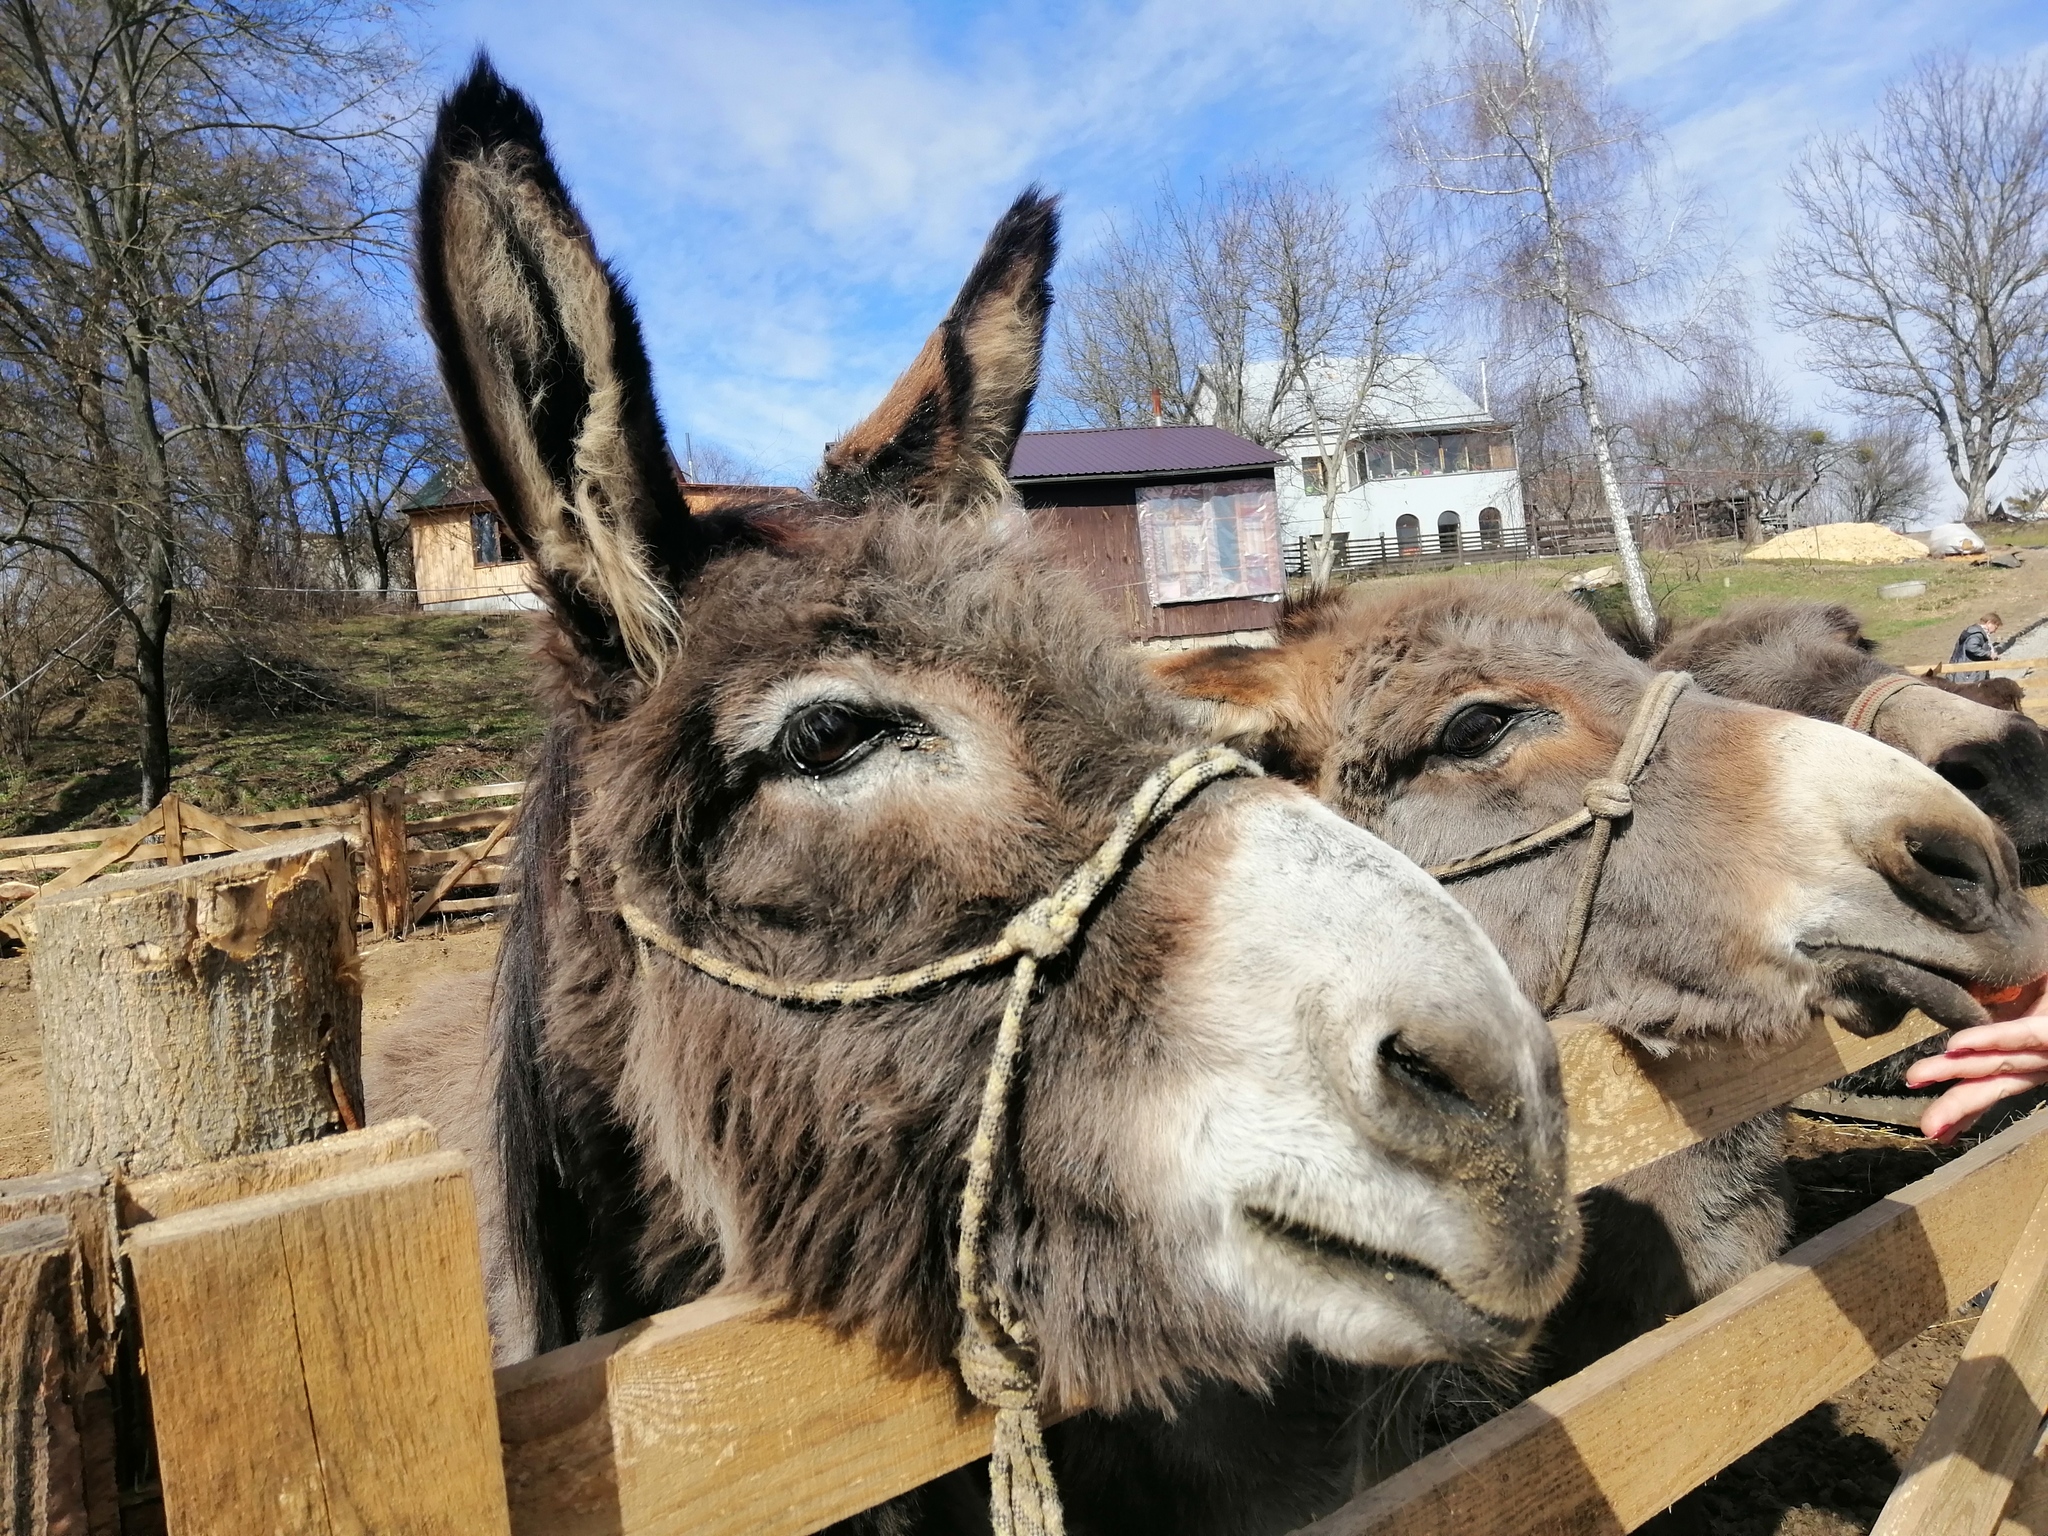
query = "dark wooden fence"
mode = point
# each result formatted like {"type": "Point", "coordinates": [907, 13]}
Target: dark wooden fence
{"type": "Point", "coordinates": [1432, 550]}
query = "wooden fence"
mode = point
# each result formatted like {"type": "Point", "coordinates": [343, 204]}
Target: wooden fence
{"type": "Point", "coordinates": [315, 1333]}
{"type": "Point", "coordinates": [413, 854]}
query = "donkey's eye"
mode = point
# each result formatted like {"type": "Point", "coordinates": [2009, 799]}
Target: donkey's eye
{"type": "Point", "coordinates": [1474, 729]}
{"type": "Point", "coordinates": [825, 738]}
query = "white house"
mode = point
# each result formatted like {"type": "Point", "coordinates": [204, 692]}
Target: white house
{"type": "Point", "coordinates": [1426, 470]}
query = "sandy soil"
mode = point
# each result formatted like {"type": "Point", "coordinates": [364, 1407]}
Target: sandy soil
{"type": "Point", "coordinates": [393, 973]}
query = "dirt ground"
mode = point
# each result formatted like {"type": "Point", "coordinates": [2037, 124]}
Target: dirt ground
{"type": "Point", "coordinates": [1827, 1474]}
{"type": "Point", "coordinates": [393, 973]}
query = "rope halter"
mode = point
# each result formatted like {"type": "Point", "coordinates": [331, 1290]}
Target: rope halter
{"type": "Point", "coordinates": [1606, 802]}
{"type": "Point", "coordinates": [997, 1356]}
{"type": "Point", "coordinates": [1862, 714]}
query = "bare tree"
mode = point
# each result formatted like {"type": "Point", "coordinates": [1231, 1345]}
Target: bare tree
{"type": "Point", "coordinates": [1882, 476]}
{"type": "Point", "coordinates": [1920, 270]}
{"type": "Point", "coordinates": [1730, 440]}
{"type": "Point", "coordinates": [1557, 180]}
{"type": "Point", "coordinates": [162, 166]}
{"type": "Point", "coordinates": [1269, 306]}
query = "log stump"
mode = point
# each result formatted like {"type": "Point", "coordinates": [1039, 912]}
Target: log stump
{"type": "Point", "coordinates": [201, 1010]}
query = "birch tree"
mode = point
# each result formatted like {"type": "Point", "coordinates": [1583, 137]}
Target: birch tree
{"type": "Point", "coordinates": [1920, 265]}
{"type": "Point", "coordinates": [1520, 135]}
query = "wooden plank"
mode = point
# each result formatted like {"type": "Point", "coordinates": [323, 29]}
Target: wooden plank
{"type": "Point", "coordinates": [265, 1173]}
{"type": "Point", "coordinates": [385, 856]}
{"type": "Point", "coordinates": [455, 906]}
{"type": "Point", "coordinates": [319, 1359]}
{"type": "Point", "coordinates": [42, 1462]}
{"type": "Point", "coordinates": [174, 829]}
{"type": "Point", "coordinates": [461, 867]}
{"type": "Point", "coordinates": [1960, 1476]}
{"type": "Point", "coordinates": [298, 816]}
{"type": "Point", "coordinates": [1597, 1452]}
{"type": "Point", "coordinates": [721, 1418]}
{"type": "Point", "coordinates": [84, 837]}
{"type": "Point", "coordinates": [223, 832]}
{"type": "Point", "coordinates": [1629, 1107]}
{"type": "Point", "coordinates": [486, 872]}
{"type": "Point", "coordinates": [457, 821]}
{"type": "Point", "coordinates": [2027, 1514]}
{"type": "Point", "coordinates": [512, 790]}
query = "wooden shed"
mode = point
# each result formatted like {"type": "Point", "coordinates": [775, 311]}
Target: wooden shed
{"type": "Point", "coordinates": [463, 558]}
{"type": "Point", "coordinates": [1177, 527]}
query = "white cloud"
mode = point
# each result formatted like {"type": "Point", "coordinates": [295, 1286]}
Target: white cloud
{"type": "Point", "coordinates": [794, 189]}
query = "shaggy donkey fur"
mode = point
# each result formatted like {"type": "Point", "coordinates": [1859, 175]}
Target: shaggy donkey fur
{"type": "Point", "coordinates": [845, 741]}
{"type": "Point", "coordinates": [1813, 659]}
{"type": "Point", "coordinates": [1451, 716]}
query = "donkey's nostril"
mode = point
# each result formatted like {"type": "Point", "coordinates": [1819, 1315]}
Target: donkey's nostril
{"type": "Point", "coordinates": [1954, 859]}
{"type": "Point", "coordinates": [1404, 1062]}
{"type": "Point", "coordinates": [1965, 776]}
{"type": "Point", "coordinates": [1948, 875]}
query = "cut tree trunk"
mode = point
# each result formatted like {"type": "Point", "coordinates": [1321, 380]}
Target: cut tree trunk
{"type": "Point", "coordinates": [202, 1010]}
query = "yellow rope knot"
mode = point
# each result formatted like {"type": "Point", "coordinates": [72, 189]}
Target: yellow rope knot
{"type": "Point", "coordinates": [998, 1364]}
{"type": "Point", "coordinates": [1610, 798]}
{"type": "Point", "coordinates": [1043, 929]}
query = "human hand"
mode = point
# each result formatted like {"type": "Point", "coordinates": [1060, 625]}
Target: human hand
{"type": "Point", "coordinates": [1987, 1062]}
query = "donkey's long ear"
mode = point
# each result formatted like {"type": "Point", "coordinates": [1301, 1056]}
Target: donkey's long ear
{"type": "Point", "coordinates": [543, 361]}
{"type": "Point", "coordinates": [945, 431]}
{"type": "Point", "coordinates": [1266, 702]}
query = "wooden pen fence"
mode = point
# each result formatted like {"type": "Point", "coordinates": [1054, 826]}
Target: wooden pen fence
{"type": "Point", "coordinates": [314, 1326]}
{"type": "Point", "coordinates": [413, 853]}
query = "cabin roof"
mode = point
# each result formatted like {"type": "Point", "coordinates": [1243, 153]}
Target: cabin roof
{"type": "Point", "coordinates": [1100, 452]}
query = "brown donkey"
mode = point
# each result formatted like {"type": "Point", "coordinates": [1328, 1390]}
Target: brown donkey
{"type": "Point", "coordinates": [834, 742]}
{"type": "Point", "coordinates": [1813, 659]}
{"type": "Point", "coordinates": [1771, 867]}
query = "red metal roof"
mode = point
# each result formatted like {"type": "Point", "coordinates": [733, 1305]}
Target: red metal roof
{"type": "Point", "coordinates": [1133, 451]}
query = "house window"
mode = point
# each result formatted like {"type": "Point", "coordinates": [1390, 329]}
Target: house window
{"type": "Point", "coordinates": [1489, 528]}
{"type": "Point", "coordinates": [1203, 542]}
{"type": "Point", "coordinates": [488, 540]}
{"type": "Point", "coordinates": [1447, 533]}
{"type": "Point", "coordinates": [1312, 476]}
{"type": "Point", "coordinates": [1434, 453]}
{"type": "Point", "coordinates": [1408, 533]}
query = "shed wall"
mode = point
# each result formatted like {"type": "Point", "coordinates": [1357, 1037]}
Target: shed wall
{"type": "Point", "coordinates": [445, 568]}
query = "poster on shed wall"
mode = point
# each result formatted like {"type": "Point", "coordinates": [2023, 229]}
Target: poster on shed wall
{"type": "Point", "coordinates": [1205, 542]}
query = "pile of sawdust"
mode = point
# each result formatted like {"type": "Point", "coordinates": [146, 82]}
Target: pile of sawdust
{"type": "Point", "coordinates": [1845, 543]}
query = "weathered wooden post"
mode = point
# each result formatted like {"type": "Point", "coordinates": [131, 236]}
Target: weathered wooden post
{"type": "Point", "coordinates": [384, 857]}
{"type": "Point", "coordinates": [202, 1010]}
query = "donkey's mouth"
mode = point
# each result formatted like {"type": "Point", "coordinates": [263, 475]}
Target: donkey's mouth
{"type": "Point", "coordinates": [1464, 1328]}
{"type": "Point", "coordinates": [1868, 991]}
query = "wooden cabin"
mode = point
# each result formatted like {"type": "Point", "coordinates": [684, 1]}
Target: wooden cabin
{"type": "Point", "coordinates": [464, 559]}
{"type": "Point", "coordinates": [1176, 527]}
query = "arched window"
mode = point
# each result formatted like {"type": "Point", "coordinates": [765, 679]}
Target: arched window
{"type": "Point", "coordinates": [1489, 528]}
{"type": "Point", "coordinates": [1447, 533]}
{"type": "Point", "coordinates": [1408, 532]}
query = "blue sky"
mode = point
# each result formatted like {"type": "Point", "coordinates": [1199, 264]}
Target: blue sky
{"type": "Point", "coordinates": [794, 190]}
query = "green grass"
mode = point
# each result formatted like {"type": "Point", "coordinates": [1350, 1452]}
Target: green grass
{"type": "Point", "coordinates": [1700, 580]}
{"type": "Point", "coordinates": [442, 700]}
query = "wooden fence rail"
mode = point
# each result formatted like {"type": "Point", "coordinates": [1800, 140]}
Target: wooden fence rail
{"type": "Point", "coordinates": [314, 1329]}
{"type": "Point", "coordinates": [399, 860]}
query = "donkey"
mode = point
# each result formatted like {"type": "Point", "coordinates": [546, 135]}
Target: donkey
{"type": "Point", "coordinates": [800, 745]}
{"type": "Point", "coordinates": [1771, 867]}
{"type": "Point", "coordinates": [1813, 659]}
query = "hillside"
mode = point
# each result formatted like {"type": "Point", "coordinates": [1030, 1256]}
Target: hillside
{"type": "Point", "coordinates": [307, 710]}
{"type": "Point", "coordinates": [298, 711]}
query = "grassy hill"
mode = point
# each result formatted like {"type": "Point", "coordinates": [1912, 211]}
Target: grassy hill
{"type": "Point", "coordinates": [298, 711]}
